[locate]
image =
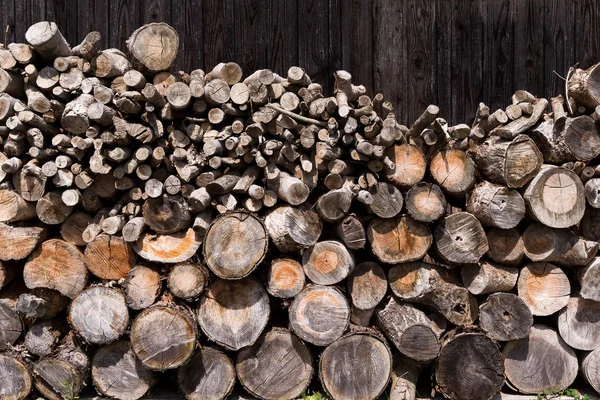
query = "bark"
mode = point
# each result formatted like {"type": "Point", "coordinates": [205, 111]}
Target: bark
{"type": "Point", "coordinates": [42, 337]}
{"type": "Point", "coordinates": [487, 278]}
{"type": "Point", "coordinates": [41, 303]}
{"type": "Point", "coordinates": [11, 326]}
{"type": "Point", "coordinates": [583, 86]}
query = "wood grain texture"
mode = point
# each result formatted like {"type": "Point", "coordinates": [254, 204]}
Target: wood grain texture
{"type": "Point", "coordinates": [209, 374]}
{"type": "Point", "coordinates": [528, 54]}
{"type": "Point", "coordinates": [313, 54]}
{"type": "Point", "coordinates": [184, 17]}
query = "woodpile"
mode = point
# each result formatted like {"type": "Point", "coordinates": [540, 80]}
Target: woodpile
{"type": "Point", "coordinates": [255, 234]}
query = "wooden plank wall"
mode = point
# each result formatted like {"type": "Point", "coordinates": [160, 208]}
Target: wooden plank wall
{"type": "Point", "coordinates": [416, 52]}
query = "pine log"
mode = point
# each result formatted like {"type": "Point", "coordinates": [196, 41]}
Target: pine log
{"type": "Point", "coordinates": [233, 314]}
{"type": "Point", "coordinates": [141, 287]}
{"type": "Point", "coordinates": [542, 351]}
{"type": "Point", "coordinates": [166, 214]}
{"type": "Point", "coordinates": [187, 280]}
{"type": "Point", "coordinates": [509, 162]}
{"type": "Point", "coordinates": [425, 202]}
{"type": "Point", "coordinates": [578, 324]}
{"type": "Point", "coordinates": [15, 379]}
{"type": "Point", "coordinates": [590, 368]}
{"type": "Point", "coordinates": [319, 315]}
{"type": "Point", "coordinates": [555, 197]}
{"type": "Point", "coordinates": [209, 374]}
{"type": "Point", "coordinates": [470, 367]}
{"type": "Point", "coordinates": [17, 243]}
{"type": "Point", "coordinates": [409, 165]}
{"type": "Point", "coordinates": [460, 239]}
{"type": "Point", "coordinates": [496, 205]}
{"type": "Point", "coordinates": [11, 326]}
{"type": "Point", "coordinates": [409, 329]}
{"type": "Point", "coordinates": [399, 239]}
{"type": "Point", "coordinates": [171, 248]}
{"type": "Point", "coordinates": [57, 379]}
{"type": "Point", "coordinates": [41, 303]}
{"type": "Point", "coordinates": [453, 170]}
{"type": "Point", "coordinates": [589, 278]}
{"type": "Point", "coordinates": [505, 317]}
{"type": "Point", "coordinates": [109, 257]}
{"type": "Point", "coordinates": [351, 232]}
{"type": "Point", "coordinates": [99, 314]}
{"type": "Point", "coordinates": [56, 265]}
{"type": "Point", "coordinates": [153, 47]}
{"type": "Point", "coordinates": [560, 246]}
{"type": "Point", "coordinates": [428, 284]}
{"type": "Point", "coordinates": [286, 278]}
{"type": "Point", "coordinates": [327, 262]}
{"type": "Point", "coordinates": [277, 366]}
{"type": "Point", "coordinates": [367, 362]}
{"type": "Point", "coordinates": [544, 287]}
{"type": "Point", "coordinates": [505, 246]}
{"type": "Point", "coordinates": [42, 337]}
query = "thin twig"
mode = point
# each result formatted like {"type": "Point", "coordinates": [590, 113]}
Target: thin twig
{"type": "Point", "coordinates": [296, 116]}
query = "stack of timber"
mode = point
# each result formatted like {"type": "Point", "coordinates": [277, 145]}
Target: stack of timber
{"type": "Point", "coordinates": [255, 235]}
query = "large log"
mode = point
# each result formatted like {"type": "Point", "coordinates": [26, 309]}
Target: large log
{"type": "Point", "coordinates": [496, 205]}
{"type": "Point", "coordinates": [47, 40]}
{"type": "Point", "coordinates": [399, 239]}
{"type": "Point", "coordinates": [578, 324]}
{"type": "Point", "coordinates": [409, 165]}
{"type": "Point", "coordinates": [15, 379]}
{"type": "Point", "coordinates": [454, 171]}
{"type": "Point", "coordinates": [209, 374]}
{"type": "Point", "coordinates": [154, 47]}
{"type": "Point", "coordinates": [505, 317]}
{"type": "Point", "coordinates": [460, 239]}
{"type": "Point", "coordinates": [109, 257]}
{"type": "Point", "coordinates": [544, 287]}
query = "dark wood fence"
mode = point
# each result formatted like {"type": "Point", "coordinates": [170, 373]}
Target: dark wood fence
{"type": "Point", "coordinates": [454, 53]}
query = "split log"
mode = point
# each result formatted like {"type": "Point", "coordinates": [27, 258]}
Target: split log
{"type": "Point", "coordinates": [544, 288]}
{"type": "Point", "coordinates": [399, 239]}
{"type": "Point", "coordinates": [15, 379]}
{"type": "Point", "coordinates": [11, 326]}
{"type": "Point", "coordinates": [367, 362]}
{"type": "Point", "coordinates": [277, 366]}
{"type": "Point", "coordinates": [505, 246]}
{"type": "Point", "coordinates": [47, 40]}
{"type": "Point", "coordinates": [505, 317]}
{"type": "Point", "coordinates": [425, 202]}
{"type": "Point", "coordinates": [454, 171]}
{"type": "Point", "coordinates": [99, 314]}
{"type": "Point", "coordinates": [235, 244]}
{"type": "Point", "coordinates": [56, 265]}
{"type": "Point", "coordinates": [319, 315]}
{"type": "Point", "coordinates": [327, 262]}
{"type": "Point", "coordinates": [42, 337]}
{"type": "Point", "coordinates": [163, 337]}
{"type": "Point", "coordinates": [496, 205]}
{"type": "Point", "coordinates": [485, 277]}
{"type": "Point", "coordinates": [187, 280]}
{"type": "Point", "coordinates": [209, 374]}
{"type": "Point", "coordinates": [555, 197]}
{"type": "Point", "coordinates": [141, 287]}
{"type": "Point", "coordinates": [590, 369]}
{"type": "Point", "coordinates": [166, 214]}
{"type": "Point", "coordinates": [589, 278]}
{"type": "Point", "coordinates": [153, 47]}
{"type": "Point", "coordinates": [16, 243]}
{"type": "Point", "coordinates": [41, 303]}
{"type": "Point", "coordinates": [423, 283]}
{"type": "Point", "coordinates": [117, 373]}
{"type": "Point", "coordinates": [560, 246]}
{"type": "Point", "coordinates": [460, 239]}
{"type": "Point", "coordinates": [109, 257]}
{"type": "Point", "coordinates": [470, 366]}
{"type": "Point", "coordinates": [409, 329]}
{"type": "Point", "coordinates": [544, 352]}
{"type": "Point", "coordinates": [578, 324]}
{"type": "Point", "coordinates": [286, 278]}
{"type": "Point", "coordinates": [57, 379]}
{"type": "Point", "coordinates": [14, 208]}
{"type": "Point", "coordinates": [409, 165]}
{"type": "Point", "coordinates": [172, 248]}
{"type": "Point", "coordinates": [509, 162]}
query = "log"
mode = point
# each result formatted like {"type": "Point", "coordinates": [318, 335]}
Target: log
{"type": "Point", "coordinates": [327, 262]}
{"type": "Point", "coordinates": [11, 83]}
{"type": "Point", "coordinates": [286, 278]}
{"type": "Point", "coordinates": [590, 226]}
{"type": "Point", "coordinates": [505, 246]}
{"type": "Point", "coordinates": [14, 208]}
{"type": "Point", "coordinates": [425, 202]}
{"type": "Point", "coordinates": [110, 63]}
{"type": "Point", "coordinates": [428, 284]}
{"type": "Point", "coordinates": [166, 214]}
{"type": "Point", "coordinates": [486, 278]}
{"type": "Point", "coordinates": [505, 317]}
{"type": "Point", "coordinates": [470, 366]}
{"type": "Point", "coordinates": [351, 232]}
{"type": "Point", "coordinates": [187, 280]}
{"type": "Point", "coordinates": [277, 366]}
{"type": "Point", "coordinates": [56, 265]}
{"type": "Point", "coordinates": [17, 243]}
{"type": "Point", "coordinates": [57, 379]}
{"type": "Point", "coordinates": [15, 379]}
{"type": "Point", "coordinates": [109, 257]}
{"type": "Point", "coordinates": [399, 239]}
{"type": "Point", "coordinates": [582, 85]}
{"type": "Point", "coordinates": [592, 192]}
{"type": "Point", "coordinates": [47, 41]}
{"type": "Point", "coordinates": [163, 337]}
{"type": "Point", "coordinates": [454, 171]}
{"type": "Point", "coordinates": [578, 324]}
{"type": "Point", "coordinates": [42, 337]}
{"type": "Point", "coordinates": [118, 374]}
{"type": "Point", "coordinates": [590, 369]}
{"type": "Point", "coordinates": [542, 351]}
{"type": "Point", "coordinates": [141, 287]}
{"type": "Point", "coordinates": [209, 374]}
{"type": "Point", "coordinates": [544, 287]}
{"type": "Point", "coordinates": [153, 47]}
{"type": "Point", "coordinates": [172, 248]}
{"type": "Point", "coordinates": [367, 286]}
{"type": "Point", "coordinates": [555, 197]}
{"type": "Point", "coordinates": [508, 162]}
{"type": "Point", "coordinates": [409, 329]}
{"type": "Point", "coordinates": [560, 246]}
{"type": "Point", "coordinates": [319, 315]}
{"type": "Point", "coordinates": [589, 279]}
{"type": "Point", "coordinates": [496, 206]}
{"type": "Point", "coordinates": [233, 314]}
{"type": "Point", "coordinates": [405, 374]}
{"type": "Point", "coordinates": [460, 239]}
{"type": "Point", "coordinates": [409, 165]}
{"type": "Point", "coordinates": [235, 244]}
{"type": "Point", "coordinates": [41, 303]}
{"type": "Point", "coordinates": [11, 326]}
{"type": "Point", "coordinates": [387, 200]}
{"type": "Point", "coordinates": [99, 314]}
{"type": "Point", "coordinates": [51, 210]}
{"type": "Point", "coordinates": [367, 368]}
{"type": "Point", "coordinates": [75, 117]}
{"type": "Point", "coordinates": [30, 182]}
{"type": "Point", "coordinates": [335, 204]}
{"type": "Point", "coordinates": [8, 272]}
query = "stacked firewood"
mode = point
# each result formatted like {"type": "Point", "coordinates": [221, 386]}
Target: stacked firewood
{"type": "Point", "coordinates": [258, 230]}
